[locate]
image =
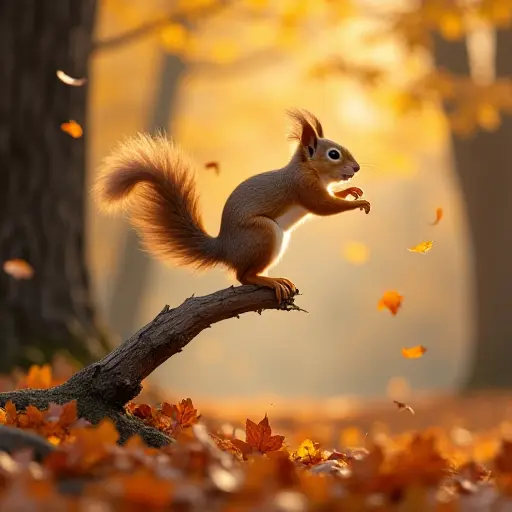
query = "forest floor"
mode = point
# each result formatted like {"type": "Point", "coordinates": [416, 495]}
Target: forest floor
{"type": "Point", "coordinates": [443, 453]}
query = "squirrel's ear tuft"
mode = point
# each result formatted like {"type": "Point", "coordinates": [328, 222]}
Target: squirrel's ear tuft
{"type": "Point", "coordinates": [302, 130]}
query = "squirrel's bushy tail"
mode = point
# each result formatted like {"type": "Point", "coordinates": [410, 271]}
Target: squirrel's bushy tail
{"type": "Point", "coordinates": [164, 206]}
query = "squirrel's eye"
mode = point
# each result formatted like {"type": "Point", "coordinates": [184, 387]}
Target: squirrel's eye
{"type": "Point", "coordinates": [333, 154]}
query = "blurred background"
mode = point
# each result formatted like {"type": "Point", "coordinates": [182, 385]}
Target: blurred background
{"type": "Point", "coordinates": [419, 91]}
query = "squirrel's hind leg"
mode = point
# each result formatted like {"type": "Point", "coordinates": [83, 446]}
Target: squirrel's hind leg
{"type": "Point", "coordinates": [259, 244]}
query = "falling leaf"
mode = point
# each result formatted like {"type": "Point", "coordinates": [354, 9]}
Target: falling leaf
{"type": "Point", "coordinates": [413, 352]}
{"type": "Point", "coordinates": [19, 269]}
{"type": "Point", "coordinates": [258, 438]}
{"type": "Point", "coordinates": [72, 128]}
{"type": "Point", "coordinates": [404, 407]}
{"type": "Point", "coordinates": [68, 80]}
{"type": "Point", "coordinates": [356, 253]}
{"type": "Point", "coordinates": [439, 216]}
{"type": "Point", "coordinates": [214, 166]}
{"type": "Point", "coordinates": [422, 247]}
{"type": "Point", "coordinates": [391, 300]}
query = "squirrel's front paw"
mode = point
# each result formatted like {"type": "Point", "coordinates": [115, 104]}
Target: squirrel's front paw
{"type": "Point", "coordinates": [364, 205]}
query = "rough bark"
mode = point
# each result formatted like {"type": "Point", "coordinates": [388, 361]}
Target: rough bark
{"type": "Point", "coordinates": [42, 182]}
{"type": "Point", "coordinates": [103, 388]}
{"type": "Point", "coordinates": [483, 165]}
{"type": "Point", "coordinates": [134, 265]}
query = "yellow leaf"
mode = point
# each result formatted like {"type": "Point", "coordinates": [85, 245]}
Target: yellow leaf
{"type": "Point", "coordinates": [488, 117]}
{"type": "Point", "coordinates": [174, 37]}
{"type": "Point", "coordinates": [451, 26]}
{"type": "Point", "coordinates": [356, 253]}
{"type": "Point", "coordinates": [422, 247]}
{"type": "Point", "coordinates": [72, 128]}
{"type": "Point", "coordinates": [414, 352]}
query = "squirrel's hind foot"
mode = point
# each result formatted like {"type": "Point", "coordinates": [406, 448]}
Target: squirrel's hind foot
{"type": "Point", "coordinates": [283, 287]}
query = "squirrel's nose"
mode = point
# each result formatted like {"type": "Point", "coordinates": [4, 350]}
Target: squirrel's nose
{"type": "Point", "coordinates": [356, 167]}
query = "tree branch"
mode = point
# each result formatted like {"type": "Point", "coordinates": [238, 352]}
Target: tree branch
{"type": "Point", "coordinates": [103, 388]}
{"type": "Point", "coordinates": [146, 29]}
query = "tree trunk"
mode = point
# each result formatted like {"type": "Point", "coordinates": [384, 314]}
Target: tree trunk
{"type": "Point", "coordinates": [134, 266]}
{"type": "Point", "coordinates": [484, 168]}
{"type": "Point", "coordinates": [42, 182]}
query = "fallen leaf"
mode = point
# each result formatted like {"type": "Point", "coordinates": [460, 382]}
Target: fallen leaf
{"type": "Point", "coordinates": [308, 453]}
{"type": "Point", "coordinates": [72, 128]}
{"type": "Point", "coordinates": [391, 300]}
{"type": "Point", "coordinates": [422, 247]}
{"type": "Point", "coordinates": [69, 80]}
{"type": "Point", "coordinates": [258, 438]}
{"type": "Point", "coordinates": [413, 352]}
{"type": "Point", "coordinates": [439, 216]}
{"type": "Point", "coordinates": [19, 269]}
{"type": "Point", "coordinates": [214, 166]}
{"type": "Point", "coordinates": [404, 407]}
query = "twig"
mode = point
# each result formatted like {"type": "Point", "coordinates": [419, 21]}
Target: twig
{"type": "Point", "coordinates": [103, 388]}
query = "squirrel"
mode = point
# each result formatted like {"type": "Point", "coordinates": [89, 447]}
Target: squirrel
{"type": "Point", "coordinates": [151, 178]}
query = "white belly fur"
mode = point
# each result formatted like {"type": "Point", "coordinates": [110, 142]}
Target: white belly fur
{"type": "Point", "coordinates": [283, 227]}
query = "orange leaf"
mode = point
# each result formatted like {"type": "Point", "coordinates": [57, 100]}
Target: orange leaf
{"type": "Point", "coordinates": [184, 413]}
{"type": "Point", "coordinates": [414, 352]}
{"type": "Point", "coordinates": [72, 128]}
{"type": "Point", "coordinates": [18, 268]}
{"type": "Point", "coordinates": [68, 80]}
{"type": "Point", "coordinates": [34, 416]}
{"type": "Point", "coordinates": [439, 216]}
{"type": "Point", "coordinates": [260, 437]}
{"type": "Point", "coordinates": [68, 415]}
{"type": "Point", "coordinates": [422, 247]}
{"type": "Point", "coordinates": [214, 166]}
{"type": "Point", "coordinates": [38, 377]}
{"type": "Point", "coordinates": [10, 413]}
{"type": "Point", "coordinates": [391, 300]}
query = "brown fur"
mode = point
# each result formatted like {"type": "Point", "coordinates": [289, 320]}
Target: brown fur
{"type": "Point", "coordinates": [164, 209]}
{"type": "Point", "coordinates": [152, 179]}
